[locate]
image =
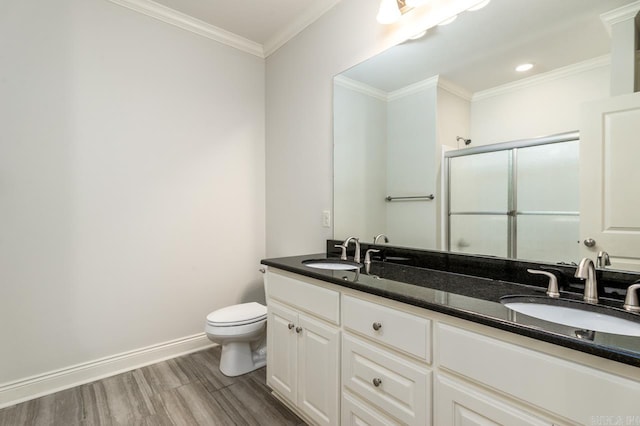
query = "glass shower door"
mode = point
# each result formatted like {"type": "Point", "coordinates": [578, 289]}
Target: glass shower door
{"type": "Point", "coordinates": [479, 203]}
{"type": "Point", "coordinates": [548, 203]}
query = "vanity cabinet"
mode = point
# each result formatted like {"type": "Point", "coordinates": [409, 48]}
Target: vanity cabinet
{"type": "Point", "coordinates": [303, 343]}
{"type": "Point", "coordinates": [361, 359]}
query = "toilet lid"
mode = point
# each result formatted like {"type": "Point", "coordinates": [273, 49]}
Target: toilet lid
{"type": "Point", "coordinates": [244, 313]}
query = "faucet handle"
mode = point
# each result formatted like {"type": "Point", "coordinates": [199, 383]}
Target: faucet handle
{"type": "Point", "coordinates": [367, 255]}
{"type": "Point", "coordinates": [343, 255]}
{"type": "Point", "coordinates": [631, 300]}
{"type": "Point", "coordinates": [552, 289]}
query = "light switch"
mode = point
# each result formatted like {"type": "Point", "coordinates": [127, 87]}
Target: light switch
{"type": "Point", "coordinates": [326, 218]}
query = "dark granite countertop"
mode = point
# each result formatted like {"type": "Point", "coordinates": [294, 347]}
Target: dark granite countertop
{"type": "Point", "coordinates": [471, 298]}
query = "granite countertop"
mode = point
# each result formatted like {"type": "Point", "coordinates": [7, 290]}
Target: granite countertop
{"type": "Point", "coordinates": [468, 297]}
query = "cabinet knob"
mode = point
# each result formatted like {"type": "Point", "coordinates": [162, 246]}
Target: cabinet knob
{"type": "Point", "coordinates": [262, 270]}
{"type": "Point", "coordinates": [377, 382]}
{"type": "Point", "coordinates": [589, 242]}
{"type": "Point", "coordinates": [377, 326]}
{"type": "Point", "coordinates": [298, 329]}
{"type": "Point", "coordinates": [291, 325]}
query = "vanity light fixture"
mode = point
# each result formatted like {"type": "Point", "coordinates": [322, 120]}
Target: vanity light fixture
{"type": "Point", "coordinates": [419, 35]}
{"type": "Point", "coordinates": [479, 6]}
{"type": "Point", "coordinates": [448, 21]}
{"type": "Point", "coordinates": [416, 3]}
{"type": "Point", "coordinates": [389, 11]}
{"type": "Point", "coordinates": [524, 67]}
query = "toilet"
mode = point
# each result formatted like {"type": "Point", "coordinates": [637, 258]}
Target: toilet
{"type": "Point", "coordinates": [241, 330]}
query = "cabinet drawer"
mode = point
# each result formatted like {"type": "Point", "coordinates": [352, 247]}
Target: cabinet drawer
{"type": "Point", "coordinates": [569, 389]}
{"type": "Point", "coordinates": [320, 301]}
{"type": "Point", "coordinates": [394, 385]}
{"type": "Point", "coordinates": [358, 413]}
{"type": "Point", "coordinates": [399, 330]}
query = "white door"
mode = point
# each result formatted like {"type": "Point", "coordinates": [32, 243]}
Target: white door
{"type": "Point", "coordinates": [610, 180]}
{"type": "Point", "coordinates": [282, 363]}
{"type": "Point", "coordinates": [318, 370]}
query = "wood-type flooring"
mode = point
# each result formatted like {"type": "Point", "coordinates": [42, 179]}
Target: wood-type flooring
{"type": "Point", "coordinates": [188, 390]}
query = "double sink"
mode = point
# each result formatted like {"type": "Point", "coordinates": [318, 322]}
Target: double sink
{"type": "Point", "coordinates": [572, 313]}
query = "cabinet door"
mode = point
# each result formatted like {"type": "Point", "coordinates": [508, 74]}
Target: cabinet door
{"type": "Point", "coordinates": [609, 176]}
{"type": "Point", "coordinates": [318, 369]}
{"type": "Point", "coordinates": [282, 365]}
{"type": "Point", "coordinates": [457, 404]}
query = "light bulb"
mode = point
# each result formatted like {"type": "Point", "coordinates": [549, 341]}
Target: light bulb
{"type": "Point", "coordinates": [415, 3]}
{"type": "Point", "coordinates": [479, 5]}
{"type": "Point", "coordinates": [388, 12]}
{"type": "Point", "coordinates": [419, 35]}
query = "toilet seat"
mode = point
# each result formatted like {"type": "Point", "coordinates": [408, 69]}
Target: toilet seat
{"type": "Point", "coordinates": [236, 315]}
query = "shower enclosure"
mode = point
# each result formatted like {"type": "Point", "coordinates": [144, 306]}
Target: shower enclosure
{"type": "Point", "coordinates": [515, 199]}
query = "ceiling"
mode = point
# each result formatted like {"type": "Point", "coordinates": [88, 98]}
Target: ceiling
{"type": "Point", "coordinates": [480, 49]}
{"type": "Point", "coordinates": [266, 22]}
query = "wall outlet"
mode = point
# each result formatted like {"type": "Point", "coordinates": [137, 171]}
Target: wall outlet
{"type": "Point", "coordinates": [326, 218]}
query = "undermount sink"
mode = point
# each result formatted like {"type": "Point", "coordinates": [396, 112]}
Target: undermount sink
{"type": "Point", "coordinates": [575, 314]}
{"type": "Point", "coordinates": [332, 264]}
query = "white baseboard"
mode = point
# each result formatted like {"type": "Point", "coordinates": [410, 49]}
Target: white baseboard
{"type": "Point", "coordinates": [43, 384]}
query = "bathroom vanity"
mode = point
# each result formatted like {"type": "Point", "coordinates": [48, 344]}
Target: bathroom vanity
{"type": "Point", "coordinates": [406, 344]}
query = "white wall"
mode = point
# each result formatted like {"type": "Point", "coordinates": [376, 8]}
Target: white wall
{"type": "Point", "coordinates": [543, 107]}
{"type": "Point", "coordinates": [360, 129]}
{"type": "Point", "coordinates": [131, 182]}
{"type": "Point", "coordinates": [299, 121]}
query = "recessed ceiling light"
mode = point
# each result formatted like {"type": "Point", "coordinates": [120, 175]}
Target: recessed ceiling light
{"type": "Point", "coordinates": [524, 67]}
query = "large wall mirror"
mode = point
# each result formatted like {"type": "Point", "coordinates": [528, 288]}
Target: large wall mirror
{"type": "Point", "coordinates": [399, 113]}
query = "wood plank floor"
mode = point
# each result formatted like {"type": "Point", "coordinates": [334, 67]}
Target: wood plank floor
{"type": "Point", "coordinates": [189, 390]}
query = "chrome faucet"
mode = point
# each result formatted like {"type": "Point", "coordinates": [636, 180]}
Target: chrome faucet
{"type": "Point", "coordinates": [377, 237]}
{"type": "Point", "coordinates": [356, 256]}
{"type": "Point", "coordinates": [602, 260]}
{"type": "Point", "coordinates": [587, 271]}
{"type": "Point", "coordinates": [552, 289]}
{"type": "Point", "coordinates": [631, 301]}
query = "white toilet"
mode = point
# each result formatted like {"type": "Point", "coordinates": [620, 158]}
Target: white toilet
{"type": "Point", "coordinates": [241, 330]}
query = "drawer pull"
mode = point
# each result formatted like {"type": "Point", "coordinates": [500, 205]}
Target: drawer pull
{"type": "Point", "coordinates": [290, 325]}
{"type": "Point", "coordinates": [298, 329]}
{"type": "Point", "coordinates": [377, 326]}
{"type": "Point", "coordinates": [377, 382]}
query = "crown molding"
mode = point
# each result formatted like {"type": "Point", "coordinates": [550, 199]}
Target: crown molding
{"type": "Point", "coordinates": [454, 89]}
{"type": "Point", "coordinates": [569, 70]}
{"type": "Point", "coordinates": [619, 15]}
{"type": "Point", "coordinates": [414, 88]}
{"type": "Point", "coordinates": [360, 87]}
{"type": "Point", "coordinates": [186, 22]}
{"type": "Point", "coordinates": [295, 27]}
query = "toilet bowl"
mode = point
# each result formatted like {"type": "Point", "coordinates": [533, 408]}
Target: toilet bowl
{"type": "Point", "coordinates": [241, 331]}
